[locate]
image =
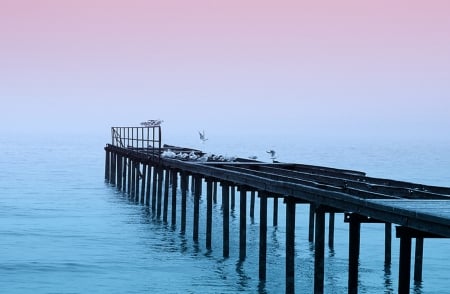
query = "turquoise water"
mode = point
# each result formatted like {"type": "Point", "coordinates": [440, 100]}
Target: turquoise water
{"type": "Point", "coordinates": [64, 230]}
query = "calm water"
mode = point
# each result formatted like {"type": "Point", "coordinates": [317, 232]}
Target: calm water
{"type": "Point", "coordinates": [63, 230]}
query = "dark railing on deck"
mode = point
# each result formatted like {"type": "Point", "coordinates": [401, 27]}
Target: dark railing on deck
{"type": "Point", "coordinates": [147, 138]}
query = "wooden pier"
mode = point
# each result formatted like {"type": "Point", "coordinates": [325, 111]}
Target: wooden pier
{"type": "Point", "coordinates": [138, 164]}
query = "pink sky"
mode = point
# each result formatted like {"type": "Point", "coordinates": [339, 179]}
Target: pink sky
{"type": "Point", "coordinates": [320, 66]}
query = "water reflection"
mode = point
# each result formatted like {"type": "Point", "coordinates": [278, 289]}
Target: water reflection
{"type": "Point", "coordinates": [243, 279]}
{"type": "Point", "coordinates": [417, 287]}
{"type": "Point", "coordinates": [388, 279]}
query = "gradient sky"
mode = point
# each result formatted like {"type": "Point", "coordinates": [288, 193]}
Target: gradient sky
{"type": "Point", "coordinates": [352, 68]}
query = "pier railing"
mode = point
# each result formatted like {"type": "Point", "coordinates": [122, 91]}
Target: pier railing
{"type": "Point", "coordinates": [147, 138]}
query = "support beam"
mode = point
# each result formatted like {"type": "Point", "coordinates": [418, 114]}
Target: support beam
{"type": "Point", "coordinates": [353, 255]}
{"type": "Point", "coordinates": [275, 211]}
{"type": "Point", "coordinates": [290, 245]}
{"type": "Point", "coordinates": [209, 200]}
{"type": "Point", "coordinates": [262, 235]}
{"type": "Point", "coordinates": [136, 194]}
{"type": "Point", "coordinates": [160, 188]}
{"type": "Point", "coordinates": [226, 219]}
{"type": "Point", "coordinates": [418, 260]}
{"type": "Point", "coordinates": [319, 251]}
{"type": "Point", "coordinates": [387, 243]}
{"type": "Point", "coordinates": [197, 192]}
{"type": "Point", "coordinates": [406, 234]}
{"type": "Point", "coordinates": [133, 179]}
{"type": "Point", "coordinates": [149, 183]}
{"type": "Point", "coordinates": [113, 169]}
{"type": "Point", "coordinates": [215, 192]}
{"type": "Point", "coordinates": [154, 188]}
{"type": "Point", "coordinates": [166, 195]}
{"type": "Point", "coordinates": [130, 176]}
{"type": "Point", "coordinates": [124, 174]}
{"type": "Point", "coordinates": [233, 197]}
{"type": "Point", "coordinates": [119, 172]}
{"type": "Point", "coordinates": [107, 165]}
{"type": "Point", "coordinates": [144, 177]}
{"type": "Point", "coordinates": [243, 224]}
{"type": "Point", "coordinates": [174, 196]}
{"type": "Point", "coordinates": [252, 204]}
{"type": "Point", "coordinates": [331, 229]}
{"type": "Point", "coordinates": [311, 222]}
{"type": "Point", "coordinates": [183, 201]}
{"type": "Point", "coordinates": [404, 272]}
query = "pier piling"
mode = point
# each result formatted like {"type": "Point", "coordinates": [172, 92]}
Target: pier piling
{"type": "Point", "coordinates": [242, 223]}
{"type": "Point", "coordinates": [262, 235]}
{"type": "Point", "coordinates": [226, 218]}
{"type": "Point", "coordinates": [290, 245]}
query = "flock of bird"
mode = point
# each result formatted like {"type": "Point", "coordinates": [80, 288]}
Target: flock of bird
{"type": "Point", "coordinates": [152, 123]}
{"type": "Point", "coordinates": [194, 156]}
{"type": "Point", "coordinates": [191, 155]}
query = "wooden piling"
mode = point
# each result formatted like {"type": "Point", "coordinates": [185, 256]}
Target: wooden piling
{"type": "Point", "coordinates": [130, 176]}
{"type": "Point", "coordinates": [183, 200]}
{"type": "Point", "coordinates": [215, 192]}
{"type": "Point", "coordinates": [331, 230]}
{"type": "Point", "coordinates": [243, 224]}
{"type": "Point", "coordinates": [275, 211]}
{"type": "Point", "coordinates": [166, 195]}
{"type": "Point", "coordinates": [133, 179]}
{"type": "Point", "coordinates": [387, 243]}
{"type": "Point", "coordinates": [113, 168]}
{"type": "Point", "coordinates": [174, 196]}
{"type": "Point", "coordinates": [197, 181]}
{"type": "Point", "coordinates": [353, 255]}
{"type": "Point", "coordinates": [252, 204]}
{"type": "Point", "coordinates": [107, 164]}
{"type": "Point", "coordinates": [319, 251]}
{"type": "Point", "coordinates": [404, 273]}
{"type": "Point", "coordinates": [311, 222]}
{"type": "Point", "coordinates": [233, 197]}
{"type": "Point", "coordinates": [262, 235]}
{"type": "Point", "coordinates": [290, 245]}
{"type": "Point", "coordinates": [160, 189]}
{"type": "Point", "coordinates": [209, 196]}
{"type": "Point", "coordinates": [226, 218]}
{"type": "Point", "coordinates": [136, 194]}
{"type": "Point", "coordinates": [124, 174]}
{"type": "Point", "coordinates": [418, 259]}
{"type": "Point", "coordinates": [144, 176]}
{"type": "Point", "coordinates": [154, 188]}
{"type": "Point", "coordinates": [149, 183]}
{"type": "Point", "coordinates": [119, 172]}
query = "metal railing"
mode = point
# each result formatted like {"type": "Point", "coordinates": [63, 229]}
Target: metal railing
{"type": "Point", "coordinates": [146, 138]}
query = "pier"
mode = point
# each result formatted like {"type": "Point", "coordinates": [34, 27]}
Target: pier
{"type": "Point", "coordinates": [152, 173]}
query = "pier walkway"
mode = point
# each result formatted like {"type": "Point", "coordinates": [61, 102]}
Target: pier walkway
{"type": "Point", "coordinates": [138, 164]}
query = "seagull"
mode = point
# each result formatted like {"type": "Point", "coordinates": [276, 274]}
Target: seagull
{"type": "Point", "coordinates": [202, 136]}
{"type": "Point", "coordinates": [272, 154]}
{"type": "Point", "coordinates": [152, 122]}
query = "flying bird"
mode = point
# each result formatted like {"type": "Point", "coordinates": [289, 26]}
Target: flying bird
{"type": "Point", "coordinates": [202, 136]}
{"type": "Point", "coordinates": [272, 154]}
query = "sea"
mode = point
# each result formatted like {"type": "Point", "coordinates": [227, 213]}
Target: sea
{"type": "Point", "coordinates": [63, 229]}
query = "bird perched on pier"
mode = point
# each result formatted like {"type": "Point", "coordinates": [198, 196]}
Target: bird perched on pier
{"type": "Point", "coordinates": [202, 136]}
{"type": "Point", "coordinates": [152, 122]}
{"type": "Point", "coordinates": [272, 154]}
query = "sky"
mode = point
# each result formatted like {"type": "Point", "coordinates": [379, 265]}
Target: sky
{"type": "Point", "coordinates": [326, 68]}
